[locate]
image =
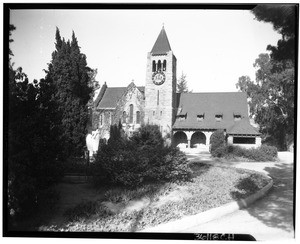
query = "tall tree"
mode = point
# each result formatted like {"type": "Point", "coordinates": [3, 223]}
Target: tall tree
{"type": "Point", "coordinates": [283, 18]}
{"type": "Point", "coordinates": [182, 84]}
{"type": "Point", "coordinates": [271, 99]}
{"type": "Point", "coordinates": [74, 86]}
{"type": "Point", "coordinates": [33, 147]}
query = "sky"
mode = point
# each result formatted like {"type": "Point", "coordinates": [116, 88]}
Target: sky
{"type": "Point", "coordinates": [213, 47]}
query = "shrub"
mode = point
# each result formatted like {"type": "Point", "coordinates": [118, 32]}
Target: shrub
{"type": "Point", "coordinates": [263, 153]}
{"type": "Point", "coordinates": [217, 140]}
{"type": "Point", "coordinates": [140, 159]}
{"type": "Point", "coordinates": [269, 150]}
{"type": "Point", "coordinates": [148, 135]}
{"type": "Point", "coordinates": [220, 151]}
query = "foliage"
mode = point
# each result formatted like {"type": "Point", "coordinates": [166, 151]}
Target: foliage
{"type": "Point", "coordinates": [283, 18]}
{"type": "Point", "coordinates": [34, 151]}
{"type": "Point", "coordinates": [272, 99]}
{"type": "Point", "coordinates": [169, 201]}
{"type": "Point", "coordinates": [261, 154]}
{"type": "Point", "coordinates": [182, 84]}
{"type": "Point", "coordinates": [148, 135]}
{"type": "Point", "coordinates": [249, 185]}
{"type": "Point", "coordinates": [74, 84]}
{"type": "Point", "coordinates": [272, 94]}
{"type": "Point", "coordinates": [140, 159]}
{"type": "Point", "coordinates": [217, 141]}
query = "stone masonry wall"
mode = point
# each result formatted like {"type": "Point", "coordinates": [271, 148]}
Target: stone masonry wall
{"type": "Point", "coordinates": [161, 114]}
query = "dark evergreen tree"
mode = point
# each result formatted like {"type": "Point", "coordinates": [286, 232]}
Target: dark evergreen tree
{"type": "Point", "coordinates": [33, 147]}
{"type": "Point", "coordinates": [283, 18]}
{"type": "Point", "coordinates": [74, 86]}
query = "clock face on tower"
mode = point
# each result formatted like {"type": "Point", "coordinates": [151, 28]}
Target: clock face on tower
{"type": "Point", "coordinates": [158, 78]}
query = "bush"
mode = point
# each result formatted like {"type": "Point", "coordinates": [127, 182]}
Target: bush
{"type": "Point", "coordinates": [269, 150]}
{"type": "Point", "coordinates": [220, 151]}
{"type": "Point", "coordinates": [140, 159]}
{"type": "Point", "coordinates": [263, 153]}
{"type": "Point", "coordinates": [217, 140]}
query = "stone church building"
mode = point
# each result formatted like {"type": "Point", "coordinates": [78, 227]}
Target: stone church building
{"type": "Point", "coordinates": [187, 119]}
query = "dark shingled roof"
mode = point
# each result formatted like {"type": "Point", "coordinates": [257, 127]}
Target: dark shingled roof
{"type": "Point", "coordinates": [211, 104]}
{"type": "Point", "coordinates": [242, 127]}
{"type": "Point", "coordinates": [112, 95]}
{"type": "Point", "coordinates": [162, 45]}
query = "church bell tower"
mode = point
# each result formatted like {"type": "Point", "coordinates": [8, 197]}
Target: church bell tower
{"type": "Point", "coordinates": [160, 88]}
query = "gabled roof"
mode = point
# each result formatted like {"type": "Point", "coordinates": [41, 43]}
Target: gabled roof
{"type": "Point", "coordinates": [212, 104]}
{"type": "Point", "coordinates": [112, 95]}
{"type": "Point", "coordinates": [162, 45]}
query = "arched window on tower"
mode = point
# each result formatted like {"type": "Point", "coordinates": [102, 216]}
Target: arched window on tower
{"type": "Point", "coordinates": [138, 117]}
{"type": "Point", "coordinates": [164, 65]}
{"type": "Point", "coordinates": [159, 65]}
{"type": "Point", "coordinates": [157, 97]}
{"type": "Point", "coordinates": [153, 66]}
{"type": "Point", "coordinates": [131, 113]}
{"type": "Point", "coordinates": [124, 117]}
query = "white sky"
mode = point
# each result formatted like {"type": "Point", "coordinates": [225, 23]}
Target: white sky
{"type": "Point", "coordinates": [213, 47]}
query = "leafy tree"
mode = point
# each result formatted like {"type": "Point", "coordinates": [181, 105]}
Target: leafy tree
{"type": "Point", "coordinates": [74, 84]}
{"type": "Point", "coordinates": [271, 99]}
{"type": "Point", "coordinates": [283, 18]}
{"type": "Point", "coordinates": [182, 84]}
{"type": "Point", "coordinates": [272, 94]}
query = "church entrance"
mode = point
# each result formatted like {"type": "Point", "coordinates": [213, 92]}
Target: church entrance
{"type": "Point", "coordinates": [180, 139]}
{"type": "Point", "coordinates": [198, 140]}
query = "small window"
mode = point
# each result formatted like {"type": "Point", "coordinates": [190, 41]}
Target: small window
{"type": "Point", "coordinates": [160, 113]}
{"type": "Point", "coordinates": [181, 117]}
{"type": "Point", "coordinates": [138, 117]}
{"type": "Point", "coordinates": [101, 120]}
{"type": "Point", "coordinates": [219, 117]}
{"type": "Point", "coordinates": [243, 140]}
{"type": "Point", "coordinates": [153, 113]}
{"type": "Point", "coordinates": [164, 65]}
{"type": "Point", "coordinates": [153, 66]}
{"type": "Point", "coordinates": [159, 65]}
{"type": "Point", "coordinates": [157, 97]}
{"type": "Point", "coordinates": [111, 118]}
{"type": "Point", "coordinates": [131, 113]}
{"type": "Point", "coordinates": [200, 117]}
{"type": "Point", "coordinates": [237, 117]}
{"type": "Point", "coordinates": [124, 117]}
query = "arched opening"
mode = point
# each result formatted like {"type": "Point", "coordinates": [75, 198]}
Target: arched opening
{"type": "Point", "coordinates": [138, 117]}
{"type": "Point", "coordinates": [124, 117]}
{"type": "Point", "coordinates": [159, 65]}
{"type": "Point", "coordinates": [180, 139]}
{"type": "Point", "coordinates": [131, 113]}
{"type": "Point", "coordinates": [164, 65]}
{"type": "Point", "coordinates": [198, 140]}
{"type": "Point", "coordinates": [153, 66]}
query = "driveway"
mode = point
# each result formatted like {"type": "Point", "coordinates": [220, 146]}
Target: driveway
{"type": "Point", "coordinates": [270, 218]}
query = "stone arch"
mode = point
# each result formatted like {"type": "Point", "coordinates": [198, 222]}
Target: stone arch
{"type": "Point", "coordinates": [198, 139]}
{"type": "Point", "coordinates": [180, 139]}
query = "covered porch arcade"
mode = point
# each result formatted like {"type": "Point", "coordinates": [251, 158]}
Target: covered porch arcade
{"type": "Point", "coordinates": [192, 139]}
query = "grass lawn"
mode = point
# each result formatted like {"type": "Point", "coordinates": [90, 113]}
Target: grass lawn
{"type": "Point", "coordinates": [83, 208]}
